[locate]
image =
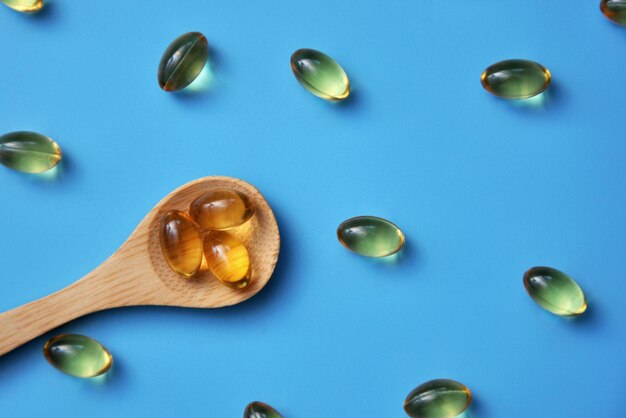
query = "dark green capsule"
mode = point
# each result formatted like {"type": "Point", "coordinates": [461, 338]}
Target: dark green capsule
{"type": "Point", "coordinates": [183, 61]}
{"type": "Point", "coordinates": [439, 398]}
{"type": "Point", "coordinates": [29, 152]}
{"type": "Point", "coordinates": [516, 79]}
{"type": "Point", "coordinates": [615, 10]}
{"type": "Point", "coordinates": [370, 236]}
{"type": "Point", "coordinates": [260, 410]}
{"type": "Point", "coordinates": [555, 291]}
{"type": "Point", "coordinates": [78, 355]}
{"type": "Point", "coordinates": [320, 74]}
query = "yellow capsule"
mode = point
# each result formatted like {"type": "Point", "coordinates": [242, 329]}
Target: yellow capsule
{"type": "Point", "coordinates": [221, 209]}
{"type": "Point", "coordinates": [181, 243]}
{"type": "Point", "coordinates": [26, 6]}
{"type": "Point", "coordinates": [78, 355]}
{"type": "Point", "coordinates": [227, 259]}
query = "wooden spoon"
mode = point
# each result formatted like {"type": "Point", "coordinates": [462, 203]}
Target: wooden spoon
{"type": "Point", "coordinates": [137, 273]}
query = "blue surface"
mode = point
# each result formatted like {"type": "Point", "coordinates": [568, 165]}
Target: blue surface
{"type": "Point", "coordinates": [483, 189]}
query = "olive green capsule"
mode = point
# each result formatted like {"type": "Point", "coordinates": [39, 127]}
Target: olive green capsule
{"type": "Point", "coordinates": [320, 74]}
{"type": "Point", "coordinates": [260, 410]}
{"type": "Point", "coordinates": [25, 6]}
{"type": "Point", "coordinates": [29, 152]}
{"type": "Point", "coordinates": [370, 236]}
{"type": "Point", "coordinates": [555, 291]}
{"type": "Point", "coordinates": [439, 398]}
{"type": "Point", "coordinates": [78, 355]}
{"type": "Point", "coordinates": [615, 10]}
{"type": "Point", "coordinates": [183, 61]}
{"type": "Point", "coordinates": [516, 79]}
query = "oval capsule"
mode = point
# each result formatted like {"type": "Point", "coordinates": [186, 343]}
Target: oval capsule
{"type": "Point", "coordinates": [25, 6]}
{"type": "Point", "coordinates": [182, 61]}
{"type": "Point", "coordinates": [516, 79]}
{"type": "Point", "coordinates": [555, 291]}
{"type": "Point", "coordinates": [370, 236]}
{"type": "Point", "coordinates": [221, 209]}
{"type": "Point", "coordinates": [260, 410]}
{"type": "Point", "coordinates": [439, 398]}
{"type": "Point", "coordinates": [320, 74]}
{"type": "Point", "coordinates": [78, 355]}
{"type": "Point", "coordinates": [615, 10]}
{"type": "Point", "coordinates": [29, 152]}
{"type": "Point", "coordinates": [181, 243]}
{"type": "Point", "coordinates": [227, 259]}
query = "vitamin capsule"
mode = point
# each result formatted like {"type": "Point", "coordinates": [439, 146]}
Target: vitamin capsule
{"type": "Point", "coordinates": [26, 6]}
{"type": "Point", "coordinates": [183, 61]}
{"type": "Point", "coordinates": [439, 398]}
{"type": "Point", "coordinates": [29, 152]}
{"type": "Point", "coordinates": [516, 79]}
{"type": "Point", "coordinates": [370, 236]}
{"type": "Point", "coordinates": [227, 259]}
{"type": "Point", "coordinates": [555, 291]}
{"type": "Point", "coordinates": [615, 10]}
{"type": "Point", "coordinates": [320, 74]}
{"type": "Point", "coordinates": [221, 209]}
{"type": "Point", "coordinates": [78, 355]}
{"type": "Point", "coordinates": [260, 410]}
{"type": "Point", "coordinates": [181, 243]}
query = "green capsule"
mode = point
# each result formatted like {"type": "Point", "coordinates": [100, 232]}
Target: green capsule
{"type": "Point", "coordinates": [555, 291]}
{"type": "Point", "coordinates": [615, 10]}
{"type": "Point", "coordinates": [516, 79]}
{"type": "Point", "coordinates": [260, 410]}
{"type": "Point", "coordinates": [25, 6]}
{"type": "Point", "coordinates": [320, 74]}
{"type": "Point", "coordinates": [439, 398]}
{"type": "Point", "coordinates": [29, 152]}
{"type": "Point", "coordinates": [183, 61]}
{"type": "Point", "coordinates": [370, 236]}
{"type": "Point", "coordinates": [78, 355]}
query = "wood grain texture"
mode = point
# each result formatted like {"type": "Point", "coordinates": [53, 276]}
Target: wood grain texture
{"type": "Point", "coordinates": [137, 273]}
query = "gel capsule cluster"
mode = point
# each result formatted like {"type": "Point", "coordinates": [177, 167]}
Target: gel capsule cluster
{"type": "Point", "coordinates": [184, 246]}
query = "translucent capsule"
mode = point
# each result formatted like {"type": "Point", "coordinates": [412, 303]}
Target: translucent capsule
{"type": "Point", "coordinates": [181, 243]}
{"type": "Point", "coordinates": [516, 79]}
{"type": "Point", "coordinates": [615, 10]}
{"type": "Point", "coordinates": [26, 6]}
{"type": "Point", "coordinates": [320, 74]}
{"type": "Point", "coordinates": [439, 398]}
{"type": "Point", "coordinates": [370, 236]}
{"type": "Point", "coordinates": [29, 152]}
{"type": "Point", "coordinates": [227, 259]}
{"type": "Point", "coordinates": [221, 209]}
{"type": "Point", "coordinates": [183, 61]}
{"type": "Point", "coordinates": [555, 291]}
{"type": "Point", "coordinates": [78, 355]}
{"type": "Point", "coordinates": [260, 410]}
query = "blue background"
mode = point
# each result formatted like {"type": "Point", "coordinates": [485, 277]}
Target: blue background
{"type": "Point", "coordinates": [482, 188]}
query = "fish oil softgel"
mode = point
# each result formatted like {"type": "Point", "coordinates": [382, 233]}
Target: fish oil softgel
{"type": "Point", "coordinates": [615, 10]}
{"type": "Point", "coordinates": [320, 74]}
{"type": "Point", "coordinates": [516, 79]}
{"type": "Point", "coordinates": [78, 355]}
{"type": "Point", "coordinates": [221, 209]}
{"type": "Point", "coordinates": [227, 259]}
{"type": "Point", "coordinates": [555, 291]}
{"type": "Point", "coordinates": [260, 410]}
{"type": "Point", "coordinates": [181, 243]}
{"type": "Point", "coordinates": [25, 6]}
{"type": "Point", "coordinates": [182, 61]}
{"type": "Point", "coordinates": [370, 236]}
{"type": "Point", "coordinates": [29, 152]}
{"type": "Point", "coordinates": [439, 398]}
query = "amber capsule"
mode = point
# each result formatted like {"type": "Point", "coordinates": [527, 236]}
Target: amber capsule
{"type": "Point", "coordinates": [227, 259]}
{"type": "Point", "coordinates": [439, 398]}
{"type": "Point", "coordinates": [260, 410]}
{"type": "Point", "coordinates": [181, 243]}
{"type": "Point", "coordinates": [78, 355]}
{"type": "Point", "coordinates": [370, 236]}
{"type": "Point", "coordinates": [183, 61]}
{"type": "Point", "coordinates": [516, 79]}
{"type": "Point", "coordinates": [555, 291]}
{"type": "Point", "coordinates": [221, 209]}
{"type": "Point", "coordinates": [29, 152]}
{"type": "Point", "coordinates": [26, 6]}
{"type": "Point", "coordinates": [320, 74]}
{"type": "Point", "coordinates": [615, 10]}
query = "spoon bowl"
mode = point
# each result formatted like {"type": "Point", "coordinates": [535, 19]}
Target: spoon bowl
{"type": "Point", "coordinates": [137, 273]}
